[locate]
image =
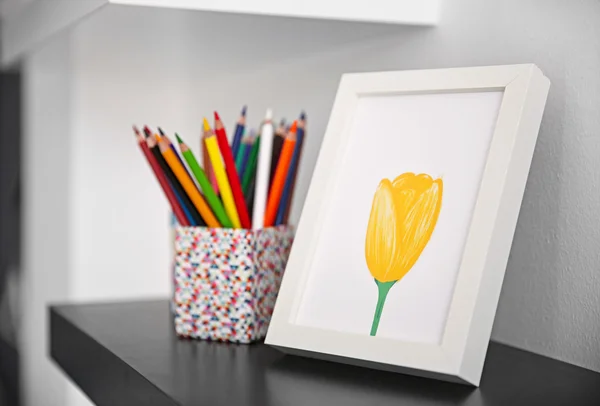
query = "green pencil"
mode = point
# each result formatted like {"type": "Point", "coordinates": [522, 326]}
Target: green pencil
{"type": "Point", "coordinates": [211, 197]}
{"type": "Point", "coordinates": [252, 161]}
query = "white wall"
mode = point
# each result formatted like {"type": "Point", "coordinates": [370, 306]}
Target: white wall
{"type": "Point", "coordinates": [158, 67]}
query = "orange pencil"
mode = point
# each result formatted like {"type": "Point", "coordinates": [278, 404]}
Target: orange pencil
{"type": "Point", "coordinates": [187, 183]}
{"type": "Point", "coordinates": [279, 178]}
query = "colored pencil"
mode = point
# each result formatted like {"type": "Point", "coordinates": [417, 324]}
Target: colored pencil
{"type": "Point", "coordinates": [147, 131]}
{"type": "Point", "coordinates": [226, 194]}
{"type": "Point", "coordinates": [232, 175]}
{"type": "Point", "coordinates": [207, 164]}
{"type": "Point", "coordinates": [162, 180]}
{"type": "Point", "coordinates": [250, 193]}
{"type": "Point", "coordinates": [301, 140]}
{"type": "Point", "coordinates": [247, 151]}
{"type": "Point", "coordinates": [277, 145]}
{"type": "Point", "coordinates": [192, 214]}
{"type": "Point", "coordinates": [280, 173]}
{"type": "Point", "coordinates": [250, 171]}
{"type": "Point", "coordinates": [239, 132]}
{"type": "Point", "coordinates": [239, 157]}
{"type": "Point", "coordinates": [290, 177]}
{"type": "Point", "coordinates": [187, 183]}
{"type": "Point", "coordinates": [209, 193]}
{"type": "Point", "coordinates": [262, 172]}
{"type": "Point", "coordinates": [163, 135]}
{"type": "Point", "coordinates": [186, 204]}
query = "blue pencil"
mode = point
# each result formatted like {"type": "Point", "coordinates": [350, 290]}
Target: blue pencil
{"type": "Point", "coordinates": [239, 132]}
{"type": "Point", "coordinates": [183, 206]}
{"type": "Point", "coordinates": [247, 150]}
{"type": "Point", "coordinates": [289, 179]}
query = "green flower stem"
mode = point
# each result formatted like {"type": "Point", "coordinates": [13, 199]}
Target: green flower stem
{"type": "Point", "coordinates": [384, 288]}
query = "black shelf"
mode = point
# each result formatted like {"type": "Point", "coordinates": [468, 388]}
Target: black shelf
{"type": "Point", "coordinates": [128, 354]}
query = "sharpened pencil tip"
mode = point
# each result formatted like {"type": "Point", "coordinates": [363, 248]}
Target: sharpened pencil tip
{"type": "Point", "coordinates": [244, 111]}
{"type": "Point", "coordinates": [294, 127]}
{"type": "Point", "coordinates": [147, 131]}
{"type": "Point", "coordinates": [179, 140]}
{"type": "Point", "coordinates": [161, 131]}
{"type": "Point", "coordinates": [282, 123]}
{"type": "Point", "coordinates": [303, 115]}
{"type": "Point", "coordinates": [269, 114]}
{"type": "Point", "coordinates": [135, 129]}
{"type": "Point", "coordinates": [206, 125]}
{"type": "Point", "coordinates": [217, 118]}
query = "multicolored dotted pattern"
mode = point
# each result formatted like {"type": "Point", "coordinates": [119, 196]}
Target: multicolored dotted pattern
{"type": "Point", "coordinates": [226, 281]}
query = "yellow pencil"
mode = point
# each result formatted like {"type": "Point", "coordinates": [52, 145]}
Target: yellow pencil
{"type": "Point", "coordinates": [188, 184]}
{"type": "Point", "coordinates": [215, 158]}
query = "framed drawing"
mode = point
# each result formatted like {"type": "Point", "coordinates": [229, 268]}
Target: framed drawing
{"type": "Point", "coordinates": [402, 246]}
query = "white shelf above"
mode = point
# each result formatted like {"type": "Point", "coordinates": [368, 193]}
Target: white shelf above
{"type": "Point", "coordinates": [30, 25]}
{"type": "Point", "coordinates": [413, 12]}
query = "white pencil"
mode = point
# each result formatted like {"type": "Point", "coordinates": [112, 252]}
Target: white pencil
{"type": "Point", "coordinates": [263, 172]}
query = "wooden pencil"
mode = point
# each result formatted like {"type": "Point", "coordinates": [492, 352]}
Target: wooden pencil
{"type": "Point", "coordinates": [249, 194]}
{"type": "Point", "coordinates": [239, 132]}
{"type": "Point", "coordinates": [188, 208]}
{"type": "Point", "coordinates": [192, 214]}
{"type": "Point", "coordinates": [290, 176]}
{"type": "Point", "coordinates": [212, 146]}
{"type": "Point", "coordinates": [239, 157]}
{"type": "Point", "coordinates": [188, 184]}
{"type": "Point", "coordinates": [262, 172]}
{"type": "Point", "coordinates": [204, 182]}
{"type": "Point", "coordinates": [232, 175]}
{"type": "Point", "coordinates": [301, 140]}
{"type": "Point", "coordinates": [279, 179]}
{"type": "Point", "coordinates": [250, 171]}
{"type": "Point", "coordinates": [207, 164]}
{"type": "Point", "coordinates": [162, 134]}
{"type": "Point", "coordinates": [172, 146]}
{"type": "Point", "coordinates": [280, 134]}
{"type": "Point", "coordinates": [147, 131]}
{"type": "Point", "coordinates": [162, 180]}
{"type": "Point", "coordinates": [247, 151]}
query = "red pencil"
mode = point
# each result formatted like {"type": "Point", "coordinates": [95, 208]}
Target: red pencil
{"type": "Point", "coordinates": [162, 180]}
{"type": "Point", "coordinates": [232, 175]}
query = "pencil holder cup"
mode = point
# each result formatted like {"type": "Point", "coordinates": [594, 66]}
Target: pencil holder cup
{"type": "Point", "coordinates": [227, 280]}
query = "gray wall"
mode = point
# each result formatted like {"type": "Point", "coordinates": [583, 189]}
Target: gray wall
{"type": "Point", "coordinates": [551, 297]}
{"type": "Point", "coordinates": [550, 302]}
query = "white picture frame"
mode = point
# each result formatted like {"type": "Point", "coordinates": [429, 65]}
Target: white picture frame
{"type": "Point", "coordinates": [459, 355]}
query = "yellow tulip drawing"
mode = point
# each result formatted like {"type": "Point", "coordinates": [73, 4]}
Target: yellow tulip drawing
{"type": "Point", "coordinates": [403, 216]}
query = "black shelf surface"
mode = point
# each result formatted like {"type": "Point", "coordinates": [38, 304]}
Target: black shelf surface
{"type": "Point", "coordinates": [128, 354]}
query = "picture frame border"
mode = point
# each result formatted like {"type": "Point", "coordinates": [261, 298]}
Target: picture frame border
{"type": "Point", "coordinates": [461, 354]}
